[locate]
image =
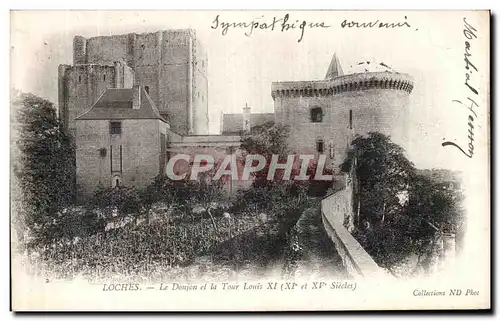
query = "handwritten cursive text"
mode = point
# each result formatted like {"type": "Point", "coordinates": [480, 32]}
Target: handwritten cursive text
{"type": "Point", "coordinates": [470, 69]}
{"type": "Point", "coordinates": [281, 24]}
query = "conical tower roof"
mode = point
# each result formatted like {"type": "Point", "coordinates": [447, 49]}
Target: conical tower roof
{"type": "Point", "coordinates": [335, 68]}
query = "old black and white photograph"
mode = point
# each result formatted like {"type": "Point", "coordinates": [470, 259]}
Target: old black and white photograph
{"type": "Point", "coordinates": [249, 160]}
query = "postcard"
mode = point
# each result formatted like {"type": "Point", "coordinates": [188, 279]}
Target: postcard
{"type": "Point", "coordinates": [250, 160]}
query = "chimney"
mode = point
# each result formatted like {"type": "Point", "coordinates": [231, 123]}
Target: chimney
{"type": "Point", "coordinates": [118, 74]}
{"type": "Point", "coordinates": [246, 118]}
{"type": "Point", "coordinates": [136, 100]}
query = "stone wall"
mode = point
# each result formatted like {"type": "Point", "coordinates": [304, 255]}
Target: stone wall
{"type": "Point", "coordinates": [217, 146]}
{"type": "Point", "coordinates": [200, 90]}
{"type": "Point", "coordinates": [171, 63]}
{"type": "Point", "coordinates": [304, 134]}
{"type": "Point", "coordinates": [358, 263]}
{"type": "Point", "coordinates": [140, 154]}
{"type": "Point", "coordinates": [351, 104]}
{"type": "Point", "coordinates": [79, 88]}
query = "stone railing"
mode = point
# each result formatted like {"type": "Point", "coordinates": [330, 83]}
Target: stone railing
{"type": "Point", "coordinates": [358, 263]}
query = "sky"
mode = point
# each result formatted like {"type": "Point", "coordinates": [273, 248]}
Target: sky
{"type": "Point", "coordinates": [430, 47]}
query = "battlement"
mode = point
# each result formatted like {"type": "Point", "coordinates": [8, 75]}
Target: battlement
{"type": "Point", "coordinates": [345, 83]}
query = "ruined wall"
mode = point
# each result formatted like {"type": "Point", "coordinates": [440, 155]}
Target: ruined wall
{"type": "Point", "coordinates": [140, 141]}
{"type": "Point", "coordinates": [124, 75]}
{"type": "Point", "coordinates": [175, 79]}
{"type": "Point", "coordinates": [79, 50]}
{"type": "Point", "coordinates": [106, 50]}
{"type": "Point", "coordinates": [62, 92]}
{"type": "Point", "coordinates": [200, 90]}
{"type": "Point", "coordinates": [167, 62]}
{"type": "Point", "coordinates": [79, 88]}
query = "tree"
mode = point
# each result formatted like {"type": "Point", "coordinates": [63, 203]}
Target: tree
{"type": "Point", "coordinates": [125, 200]}
{"type": "Point", "coordinates": [43, 165]}
{"type": "Point", "coordinates": [432, 211]}
{"type": "Point", "coordinates": [285, 200]}
{"type": "Point", "coordinates": [401, 213]}
{"type": "Point", "coordinates": [160, 190]}
{"type": "Point", "coordinates": [383, 176]}
{"type": "Point", "coordinates": [269, 140]}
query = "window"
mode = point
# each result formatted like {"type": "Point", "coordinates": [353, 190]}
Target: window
{"type": "Point", "coordinates": [116, 158]}
{"type": "Point", "coordinates": [79, 78]}
{"type": "Point", "coordinates": [316, 115]}
{"type": "Point", "coordinates": [350, 119]}
{"type": "Point", "coordinates": [115, 127]}
{"type": "Point", "coordinates": [146, 88]}
{"type": "Point", "coordinates": [102, 152]}
{"type": "Point", "coordinates": [104, 78]}
{"type": "Point", "coordinates": [320, 146]}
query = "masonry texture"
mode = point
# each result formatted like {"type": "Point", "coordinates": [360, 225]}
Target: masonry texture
{"type": "Point", "coordinates": [133, 101]}
{"type": "Point", "coordinates": [171, 65]}
{"type": "Point", "coordinates": [325, 115]}
{"type": "Point", "coordinates": [121, 140]}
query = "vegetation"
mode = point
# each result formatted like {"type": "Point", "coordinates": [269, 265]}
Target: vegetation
{"type": "Point", "coordinates": [400, 212]}
{"type": "Point", "coordinates": [44, 168]}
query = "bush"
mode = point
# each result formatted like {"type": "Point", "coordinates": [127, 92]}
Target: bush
{"type": "Point", "coordinates": [80, 223]}
{"type": "Point", "coordinates": [43, 166]}
{"type": "Point", "coordinates": [282, 201]}
{"type": "Point", "coordinates": [125, 200]}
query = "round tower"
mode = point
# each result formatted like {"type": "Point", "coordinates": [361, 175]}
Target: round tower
{"type": "Point", "coordinates": [373, 98]}
{"type": "Point", "coordinates": [325, 115]}
{"type": "Point", "coordinates": [79, 50]}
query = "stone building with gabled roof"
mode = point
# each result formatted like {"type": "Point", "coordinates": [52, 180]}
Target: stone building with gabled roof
{"type": "Point", "coordinates": [121, 140]}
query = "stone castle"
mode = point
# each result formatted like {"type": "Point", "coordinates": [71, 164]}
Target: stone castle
{"type": "Point", "coordinates": [170, 65]}
{"type": "Point", "coordinates": [133, 101]}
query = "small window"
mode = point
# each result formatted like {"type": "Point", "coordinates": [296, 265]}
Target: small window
{"type": "Point", "coordinates": [115, 127]}
{"type": "Point", "coordinates": [79, 78]}
{"type": "Point", "coordinates": [102, 152]}
{"type": "Point", "coordinates": [146, 88]}
{"type": "Point", "coordinates": [104, 78]}
{"type": "Point", "coordinates": [143, 46]}
{"type": "Point", "coordinates": [350, 119]}
{"type": "Point", "coordinates": [316, 115]}
{"type": "Point", "coordinates": [320, 146]}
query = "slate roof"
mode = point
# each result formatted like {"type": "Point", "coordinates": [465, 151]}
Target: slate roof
{"type": "Point", "coordinates": [117, 104]}
{"type": "Point", "coordinates": [335, 69]}
{"type": "Point", "coordinates": [233, 123]}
